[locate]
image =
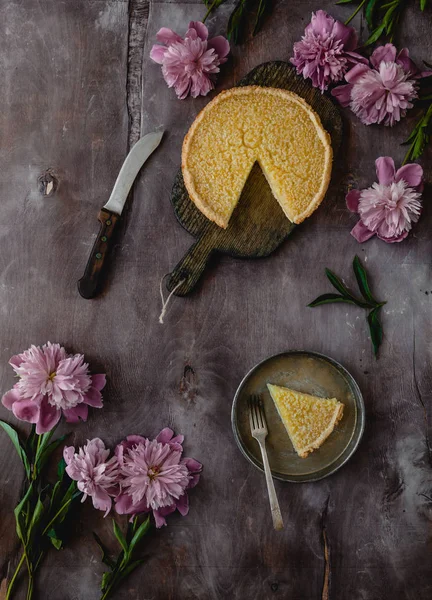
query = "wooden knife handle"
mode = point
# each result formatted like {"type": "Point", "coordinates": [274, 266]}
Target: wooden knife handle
{"type": "Point", "coordinates": [90, 282]}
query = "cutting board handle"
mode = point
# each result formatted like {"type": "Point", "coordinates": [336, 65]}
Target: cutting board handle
{"type": "Point", "coordinates": [189, 270]}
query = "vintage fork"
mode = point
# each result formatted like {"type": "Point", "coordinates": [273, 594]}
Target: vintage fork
{"type": "Point", "coordinates": [259, 432]}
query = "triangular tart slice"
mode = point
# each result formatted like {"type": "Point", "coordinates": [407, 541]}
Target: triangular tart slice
{"type": "Point", "coordinates": [309, 420]}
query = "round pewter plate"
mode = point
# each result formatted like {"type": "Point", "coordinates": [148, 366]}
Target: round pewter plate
{"type": "Point", "coordinates": [310, 373]}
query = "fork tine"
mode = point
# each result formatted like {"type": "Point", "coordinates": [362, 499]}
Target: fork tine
{"type": "Point", "coordinates": [251, 414]}
{"type": "Point", "coordinates": [261, 412]}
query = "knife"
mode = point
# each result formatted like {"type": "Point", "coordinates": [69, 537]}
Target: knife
{"type": "Point", "coordinates": [89, 284]}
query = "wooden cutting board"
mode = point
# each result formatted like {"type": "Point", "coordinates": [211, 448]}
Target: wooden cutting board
{"type": "Point", "coordinates": [258, 225]}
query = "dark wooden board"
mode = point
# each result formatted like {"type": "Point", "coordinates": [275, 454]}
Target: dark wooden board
{"type": "Point", "coordinates": [72, 74]}
{"type": "Point", "coordinates": [258, 225]}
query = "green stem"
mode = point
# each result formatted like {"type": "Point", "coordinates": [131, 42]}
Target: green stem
{"type": "Point", "coordinates": [209, 10]}
{"type": "Point", "coordinates": [15, 575]}
{"type": "Point", "coordinates": [110, 588]}
{"type": "Point", "coordinates": [48, 527]}
{"type": "Point", "coordinates": [30, 587]}
{"type": "Point", "coordinates": [34, 473]}
{"type": "Point", "coordinates": [357, 10]}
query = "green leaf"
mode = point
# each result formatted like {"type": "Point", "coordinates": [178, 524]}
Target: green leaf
{"type": "Point", "coordinates": [342, 289]}
{"type": "Point", "coordinates": [329, 299]}
{"type": "Point", "coordinates": [106, 580]}
{"type": "Point", "coordinates": [423, 4]}
{"type": "Point", "coordinates": [236, 22]}
{"type": "Point", "coordinates": [375, 35]}
{"type": "Point", "coordinates": [61, 469]}
{"type": "Point", "coordinates": [44, 454]}
{"type": "Point", "coordinates": [13, 435]}
{"type": "Point", "coordinates": [56, 541]}
{"type": "Point", "coordinates": [35, 520]}
{"type": "Point", "coordinates": [106, 559]}
{"type": "Point", "coordinates": [131, 567]}
{"type": "Point", "coordinates": [22, 515]}
{"type": "Point", "coordinates": [344, 1]}
{"type": "Point", "coordinates": [369, 12]}
{"type": "Point", "coordinates": [375, 329]}
{"type": "Point", "coordinates": [362, 281]}
{"type": "Point", "coordinates": [139, 534]}
{"type": "Point", "coordinates": [120, 537]}
{"type": "Point", "coordinates": [264, 7]}
{"type": "Point", "coordinates": [211, 6]}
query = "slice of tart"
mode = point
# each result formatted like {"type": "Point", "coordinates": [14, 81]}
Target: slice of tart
{"type": "Point", "coordinates": [309, 420]}
{"type": "Point", "coordinates": [271, 126]}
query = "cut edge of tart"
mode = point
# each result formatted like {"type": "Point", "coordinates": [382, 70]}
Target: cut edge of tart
{"type": "Point", "coordinates": [309, 420]}
{"type": "Point", "coordinates": [215, 179]}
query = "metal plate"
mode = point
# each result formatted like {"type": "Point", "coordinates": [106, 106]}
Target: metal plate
{"type": "Point", "coordinates": [310, 373]}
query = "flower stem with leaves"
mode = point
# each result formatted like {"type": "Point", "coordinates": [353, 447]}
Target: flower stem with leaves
{"type": "Point", "coordinates": [238, 18]}
{"type": "Point", "coordinates": [126, 561]}
{"type": "Point", "coordinates": [382, 16]}
{"type": "Point", "coordinates": [43, 508]}
{"type": "Point", "coordinates": [367, 302]}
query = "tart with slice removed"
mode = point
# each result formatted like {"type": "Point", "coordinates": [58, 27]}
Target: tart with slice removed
{"type": "Point", "coordinates": [309, 420]}
{"type": "Point", "coordinates": [271, 126]}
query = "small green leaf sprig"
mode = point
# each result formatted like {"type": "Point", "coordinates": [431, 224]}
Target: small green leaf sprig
{"type": "Point", "coordinates": [238, 18]}
{"type": "Point", "coordinates": [40, 515]}
{"type": "Point", "coordinates": [127, 560]}
{"type": "Point", "coordinates": [382, 16]}
{"type": "Point", "coordinates": [367, 302]}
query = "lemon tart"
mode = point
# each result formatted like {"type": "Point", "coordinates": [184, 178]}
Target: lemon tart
{"type": "Point", "coordinates": [244, 125]}
{"type": "Point", "coordinates": [309, 420]}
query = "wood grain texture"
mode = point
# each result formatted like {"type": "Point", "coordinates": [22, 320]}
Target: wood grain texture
{"type": "Point", "coordinates": [364, 533]}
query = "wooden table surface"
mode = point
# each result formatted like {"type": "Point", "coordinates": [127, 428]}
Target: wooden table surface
{"type": "Point", "coordinates": [77, 88]}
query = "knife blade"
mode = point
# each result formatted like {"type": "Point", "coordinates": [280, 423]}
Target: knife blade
{"type": "Point", "coordinates": [90, 283]}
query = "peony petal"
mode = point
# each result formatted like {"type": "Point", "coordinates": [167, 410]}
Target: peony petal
{"type": "Point", "coordinates": [361, 233]}
{"type": "Point", "coordinates": [386, 53]}
{"type": "Point", "coordinates": [321, 23]}
{"type": "Point", "coordinates": [183, 505]}
{"type": "Point", "coordinates": [157, 53]}
{"type": "Point", "coordinates": [68, 453]}
{"type": "Point", "coordinates": [93, 397]}
{"type": "Point", "coordinates": [10, 397]}
{"type": "Point", "coordinates": [26, 410]}
{"type": "Point", "coordinates": [385, 170]}
{"type": "Point", "coordinates": [193, 465]}
{"type": "Point", "coordinates": [98, 381]}
{"type": "Point", "coordinates": [406, 63]}
{"type": "Point", "coordinates": [352, 200]}
{"type": "Point", "coordinates": [395, 239]}
{"type": "Point", "coordinates": [77, 413]}
{"type": "Point", "coordinates": [221, 47]}
{"type": "Point", "coordinates": [347, 35]}
{"type": "Point", "coordinates": [200, 28]}
{"type": "Point", "coordinates": [49, 416]}
{"type": "Point", "coordinates": [342, 93]}
{"type": "Point", "coordinates": [356, 73]}
{"type": "Point", "coordinates": [412, 174]}
{"type": "Point", "coordinates": [165, 435]}
{"type": "Point", "coordinates": [102, 500]}
{"type": "Point", "coordinates": [161, 513]}
{"type": "Point", "coordinates": [168, 36]}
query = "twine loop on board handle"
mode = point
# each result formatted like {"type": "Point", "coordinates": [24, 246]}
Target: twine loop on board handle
{"type": "Point", "coordinates": [166, 301]}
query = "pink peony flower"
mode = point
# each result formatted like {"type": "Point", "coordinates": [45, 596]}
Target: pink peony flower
{"type": "Point", "coordinates": [382, 92]}
{"type": "Point", "coordinates": [390, 207]}
{"type": "Point", "coordinates": [189, 65]}
{"type": "Point", "coordinates": [96, 476]}
{"type": "Point", "coordinates": [154, 476]}
{"type": "Point", "coordinates": [52, 381]}
{"type": "Point", "coordinates": [326, 51]}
